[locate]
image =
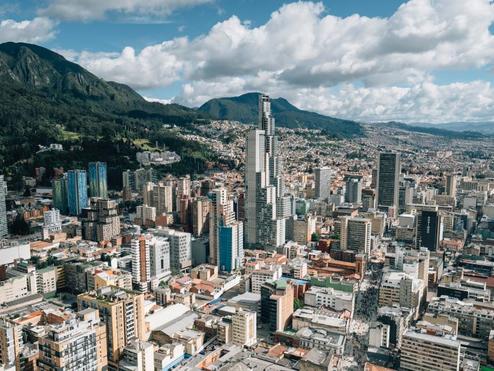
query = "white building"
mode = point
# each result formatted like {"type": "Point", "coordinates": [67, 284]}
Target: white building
{"type": "Point", "coordinates": [329, 297]}
{"type": "Point", "coordinates": [244, 325]}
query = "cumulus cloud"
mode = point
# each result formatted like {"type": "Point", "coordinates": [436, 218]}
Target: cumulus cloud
{"type": "Point", "coordinates": [303, 48]}
{"type": "Point", "coordinates": [32, 31]}
{"type": "Point", "coordinates": [86, 10]}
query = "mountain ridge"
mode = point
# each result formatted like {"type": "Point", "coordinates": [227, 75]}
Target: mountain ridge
{"type": "Point", "coordinates": [244, 108]}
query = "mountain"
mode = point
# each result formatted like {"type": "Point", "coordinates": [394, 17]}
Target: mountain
{"type": "Point", "coordinates": [433, 130]}
{"type": "Point", "coordinates": [46, 99]}
{"type": "Point", "coordinates": [244, 108]}
{"type": "Point", "coordinates": [479, 127]}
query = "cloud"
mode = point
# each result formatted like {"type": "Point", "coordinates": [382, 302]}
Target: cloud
{"type": "Point", "coordinates": [87, 10]}
{"type": "Point", "coordinates": [303, 48]}
{"type": "Point", "coordinates": [32, 31]}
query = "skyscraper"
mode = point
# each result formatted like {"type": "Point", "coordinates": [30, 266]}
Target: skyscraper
{"type": "Point", "coordinates": [76, 191]}
{"type": "Point", "coordinates": [231, 246]}
{"type": "Point", "coordinates": [322, 177]}
{"type": "Point", "coordinates": [3, 208]}
{"type": "Point", "coordinates": [450, 188]}
{"type": "Point", "coordinates": [60, 201]}
{"type": "Point", "coordinates": [429, 229]}
{"type": "Point", "coordinates": [221, 214]}
{"type": "Point", "coordinates": [98, 180]}
{"type": "Point", "coordinates": [388, 178]}
{"type": "Point", "coordinates": [263, 182]}
{"type": "Point", "coordinates": [353, 193]}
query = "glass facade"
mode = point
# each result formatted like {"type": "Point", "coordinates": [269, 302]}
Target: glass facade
{"type": "Point", "coordinates": [98, 179]}
{"type": "Point", "coordinates": [76, 191]}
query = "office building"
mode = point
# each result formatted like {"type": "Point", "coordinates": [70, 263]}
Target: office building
{"type": "Point", "coordinates": [388, 178]}
{"type": "Point", "coordinates": [123, 314]}
{"type": "Point", "coordinates": [200, 216]}
{"type": "Point", "coordinates": [221, 214]}
{"type": "Point", "coordinates": [338, 300]}
{"type": "Point", "coordinates": [180, 248]}
{"type": "Point", "coordinates": [277, 304]}
{"type": "Point", "coordinates": [159, 257]}
{"type": "Point", "coordinates": [76, 191]}
{"type": "Point", "coordinates": [159, 196]}
{"type": "Point", "coordinates": [353, 189]}
{"type": "Point", "coordinates": [322, 178]}
{"type": "Point", "coordinates": [52, 223]}
{"type": "Point", "coordinates": [263, 182]}
{"type": "Point", "coordinates": [231, 246]}
{"type": "Point", "coordinates": [98, 183]}
{"type": "Point", "coordinates": [244, 328]}
{"type": "Point", "coordinates": [429, 229]}
{"type": "Point", "coordinates": [355, 234]}
{"type": "Point", "coordinates": [3, 208]}
{"type": "Point", "coordinates": [59, 195]}
{"type": "Point", "coordinates": [100, 221]}
{"type": "Point", "coordinates": [450, 186]}
{"type": "Point", "coordinates": [422, 351]}
{"type": "Point", "coordinates": [398, 288]}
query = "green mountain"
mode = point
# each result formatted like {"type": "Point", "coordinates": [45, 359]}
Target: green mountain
{"type": "Point", "coordinates": [244, 108]}
{"type": "Point", "coordinates": [46, 99]}
{"type": "Point", "coordinates": [434, 130]}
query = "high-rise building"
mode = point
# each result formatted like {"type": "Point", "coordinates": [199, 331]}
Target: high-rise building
{"type": "Point", "coordinates": [73, 345]}
{"type": "Point", "coordinates": [76, 191]}
{"type": "Point", "coordinates": [388, 179]}
{"type": "Point", "coordinates": [123, 314]}
{"type": "Point", "coordinates": [180, 248]}
{"type": "Point", "coordinates": [141, 270]}
{"type": "Point", "coordinates": [159, 257]}
{"type": "Point", "coordinates": [221, 214]}
{"type": "Point", "coordinates": [231, 246]}
{"type": "Point", "coordinates": [98, 183]}
{"type": "Point", "coordinates": [322, 178]}
{"type": "Point", "coordinates": [450, 186]}
{"type": "Point", "coordinates": [353, 192]}
{"type": "Point", "coordinates": [429, 229]}
{"type": "Point", "coordinates": [52, 223]}
{"type": "Point", "coordinates": [355, 234]}
{"type": "Point", "coordinates": [100, 221]}
{"type": "Point", "coordinates": [263, 182]}
{"type": "Point", "coordinates": [3, 208]}
{"type": "Point", "coordinates": [160, 196]}
{"type": "Point", "coordinates": [200, 216]}
{"type": "Point", "coordinates": [60, 200]}
{"type": "Point", "coordinates": [277, 304]}
{"type": "Point", "coordinates": [244, 332]}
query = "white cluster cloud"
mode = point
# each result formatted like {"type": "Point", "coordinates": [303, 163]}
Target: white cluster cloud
{"type": "Point", "coordinates": [354, 67]}
{"type": "Point", "coordinates": [87, 10]}
{"type": "Point", "coordinates": [32, 31]}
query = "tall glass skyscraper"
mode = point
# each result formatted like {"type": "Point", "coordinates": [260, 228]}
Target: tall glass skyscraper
{"type": "Point", "coordinates": [388, 179]}
{"type": "Point", "coordinates": [60, 195]}
{"type": "Point", "coordinates": [98, 180]}
{"type": "Point", "coordinates": [76, 191]}
{"type": "Point", "coordinates": [3, 208]}
{"type": "Point", "coordinates": [263, 182]}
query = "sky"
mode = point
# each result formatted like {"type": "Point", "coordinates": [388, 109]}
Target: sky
{"type": "Point", "coordinates": [367, 60]}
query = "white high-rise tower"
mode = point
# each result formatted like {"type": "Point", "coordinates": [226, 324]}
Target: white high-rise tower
{"type": "Point", "coordinates": [263, 182]}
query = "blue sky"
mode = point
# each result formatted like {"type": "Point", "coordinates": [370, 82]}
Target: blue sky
{"type": "Point", "coordinates": [417, 60]}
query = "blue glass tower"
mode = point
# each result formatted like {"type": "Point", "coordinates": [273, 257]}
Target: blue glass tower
{"type": "Point", "coordinates": [231, 246]}
{"type": "Point", "coordinates": [76, 191]}
{"type": "Point", "coordinates": [98, 180]}
{"type": "Point", "coordinates": [60, 194]}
